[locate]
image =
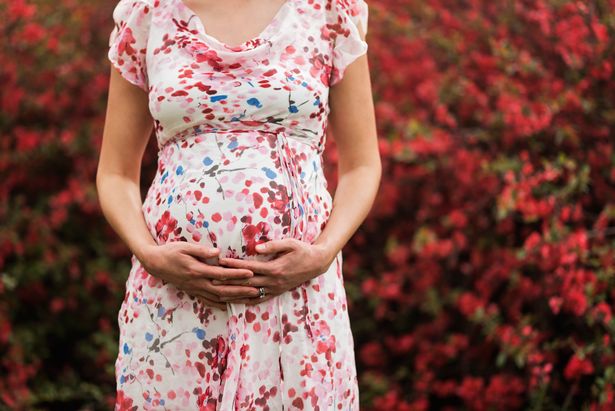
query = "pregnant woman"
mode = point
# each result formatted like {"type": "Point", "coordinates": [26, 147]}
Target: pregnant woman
{"type": "Point", "coordinates": [235, 299]}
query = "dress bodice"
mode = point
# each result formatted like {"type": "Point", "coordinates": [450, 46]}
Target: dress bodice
{"type": "Point", "coordinates": [278, 80]}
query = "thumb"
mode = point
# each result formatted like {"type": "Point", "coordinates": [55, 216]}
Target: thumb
{"type": "Point", "coordinates": [274, 246]}
{"type": "Point", "coordinates": [199, 250]}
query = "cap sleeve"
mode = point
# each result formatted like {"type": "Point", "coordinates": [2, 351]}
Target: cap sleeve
{"type": "Point", "coordinates": [128, 40]}
{"type": "Point", "coordinates": [348, 44]}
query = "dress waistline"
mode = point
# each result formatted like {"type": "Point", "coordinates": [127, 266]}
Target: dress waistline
{"type": "Point", "coordinates": [198, 129]}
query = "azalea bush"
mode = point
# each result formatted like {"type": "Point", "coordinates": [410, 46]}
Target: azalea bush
{"type": "Point", "coordinates": [495, 287]}
{"type": "Point", "coordinates": [484, 277]}
{"type": "Point", "coordinates": [62, 268]}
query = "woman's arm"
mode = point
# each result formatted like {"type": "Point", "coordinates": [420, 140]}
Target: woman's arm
{"type": "Point", "coordinates": [352, 121]}
{"type": "Point", "coordinates": [127, 129]}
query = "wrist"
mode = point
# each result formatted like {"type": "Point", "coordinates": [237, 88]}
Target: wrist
{"type": "Point", "coordinates": [144, 252]}
{"type": "Point", "coordinates": [328, 253]}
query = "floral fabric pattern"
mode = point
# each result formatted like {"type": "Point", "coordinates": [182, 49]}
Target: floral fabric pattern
{"type": "Point", "coordinates": [240, 132]}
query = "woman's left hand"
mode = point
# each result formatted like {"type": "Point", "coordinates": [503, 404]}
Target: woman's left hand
{"type": "Point", "coordinates": [299, 262]}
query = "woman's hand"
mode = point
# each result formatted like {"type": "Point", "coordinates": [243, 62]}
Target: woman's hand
{"type": "Point", "coordinates": [182, 264]}
{"type": "Point", "coordinates": [299, 262]}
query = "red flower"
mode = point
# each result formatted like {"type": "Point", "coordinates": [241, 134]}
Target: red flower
{"type": "Point", "coordinates": [576, 301]}
{"type": "Point", "coordinates": [471, 390]}
{"type": "Point", "coordinates": [468, 304]}
{"type": "Point", "coordinates": [372, 354]}
{"type": "Point", "coordinates": [577, 367]}
{"type": "Point", "coordinates": [602, 312]}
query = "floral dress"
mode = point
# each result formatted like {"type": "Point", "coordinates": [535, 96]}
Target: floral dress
{"type": "Point", "coordinates": [240, 131]}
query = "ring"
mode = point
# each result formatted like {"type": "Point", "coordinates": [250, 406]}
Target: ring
{"type": "Point", "coordinates": [261, 291]}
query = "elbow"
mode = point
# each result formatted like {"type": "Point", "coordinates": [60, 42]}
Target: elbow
{"type": "Point", "coordinates": [378, 167]}
{"type": "Point", "coordinates": [378, 171]}
{"type": "Point", "coordinates": [99, 179]}
{"type": "Point", "coordinates": [98, 184]}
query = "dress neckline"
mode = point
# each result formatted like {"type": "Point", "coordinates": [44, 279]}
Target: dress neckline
{"type": "Point", "coordinates": [266, 33]}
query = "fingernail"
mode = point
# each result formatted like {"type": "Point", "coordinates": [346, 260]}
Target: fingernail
{"type": "Point", "coordinates": [259, 247]}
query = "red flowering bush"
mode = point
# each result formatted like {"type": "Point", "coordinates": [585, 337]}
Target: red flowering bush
{"type": "Point", "coordinates": [484, 278]}
{"type": "Point", "coordinates": [62, 268]}
{"type": "Point", "coordinates": [496, 283]}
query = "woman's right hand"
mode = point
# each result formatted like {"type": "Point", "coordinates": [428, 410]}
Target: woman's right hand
{"type": "Point", "coordinates": [183, 264]}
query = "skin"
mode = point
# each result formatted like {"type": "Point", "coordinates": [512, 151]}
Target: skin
{"type": "Point", "coordinates": [128, 127]}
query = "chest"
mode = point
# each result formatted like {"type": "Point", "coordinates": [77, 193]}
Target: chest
{"type": "Point", "coordinates": [276, 79]}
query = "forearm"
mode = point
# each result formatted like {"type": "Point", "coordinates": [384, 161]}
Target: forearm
{"type": "Point", "coordinates": [353, 199]}
{"type": "Point", "coordinates": [120, 201]}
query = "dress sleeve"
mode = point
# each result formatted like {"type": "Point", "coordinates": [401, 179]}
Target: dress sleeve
{"type": "Point", "coordinates": [128, 40]}
{"type": "Point", "coordinates": [348, 45]}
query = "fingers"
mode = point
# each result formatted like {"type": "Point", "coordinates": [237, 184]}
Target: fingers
{"type": "Point", "coordinates": [234, 291]}
{"type": "Point", "coordinates": [198, 250]}
{"type": "Point", "coordinates": [209, 270]}
{"type": "Point", "coordinates": [226, 296]}
{"type": "Point", "coordinates": [275, 246]}
{"type": "Point", "coordinates": [220, 292]}
{"type": "Point", "coordinates": [270, 267]}
{"type": "Point", "coordinates": [256, 281]}
{"type": "Point", "coordinates": [223, 273]}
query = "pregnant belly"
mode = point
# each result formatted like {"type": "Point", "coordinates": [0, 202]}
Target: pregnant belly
{"type": "Point", "coordinates": [227, 190]}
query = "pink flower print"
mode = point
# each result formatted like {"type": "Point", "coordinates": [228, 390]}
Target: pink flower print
{"type": "Point", "coordinates": [123, 402]}
{"type": "Point", "coordinates": [167, 225]}
{"type": "Point", "coordinates": [325, 342]}
{"type": "Point", "coordinates": [253, 235]}
{"type": "Point", "coordinates": [219, 360]}
{"type": "Point", "coordinates": [126, 41]}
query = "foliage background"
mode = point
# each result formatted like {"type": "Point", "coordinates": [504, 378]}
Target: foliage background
{"type": "Point", "coordinates": [484, 277]}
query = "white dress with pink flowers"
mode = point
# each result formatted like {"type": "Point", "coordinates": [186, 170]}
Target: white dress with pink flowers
{"type": "Point", "coordinates": [240, 132]}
